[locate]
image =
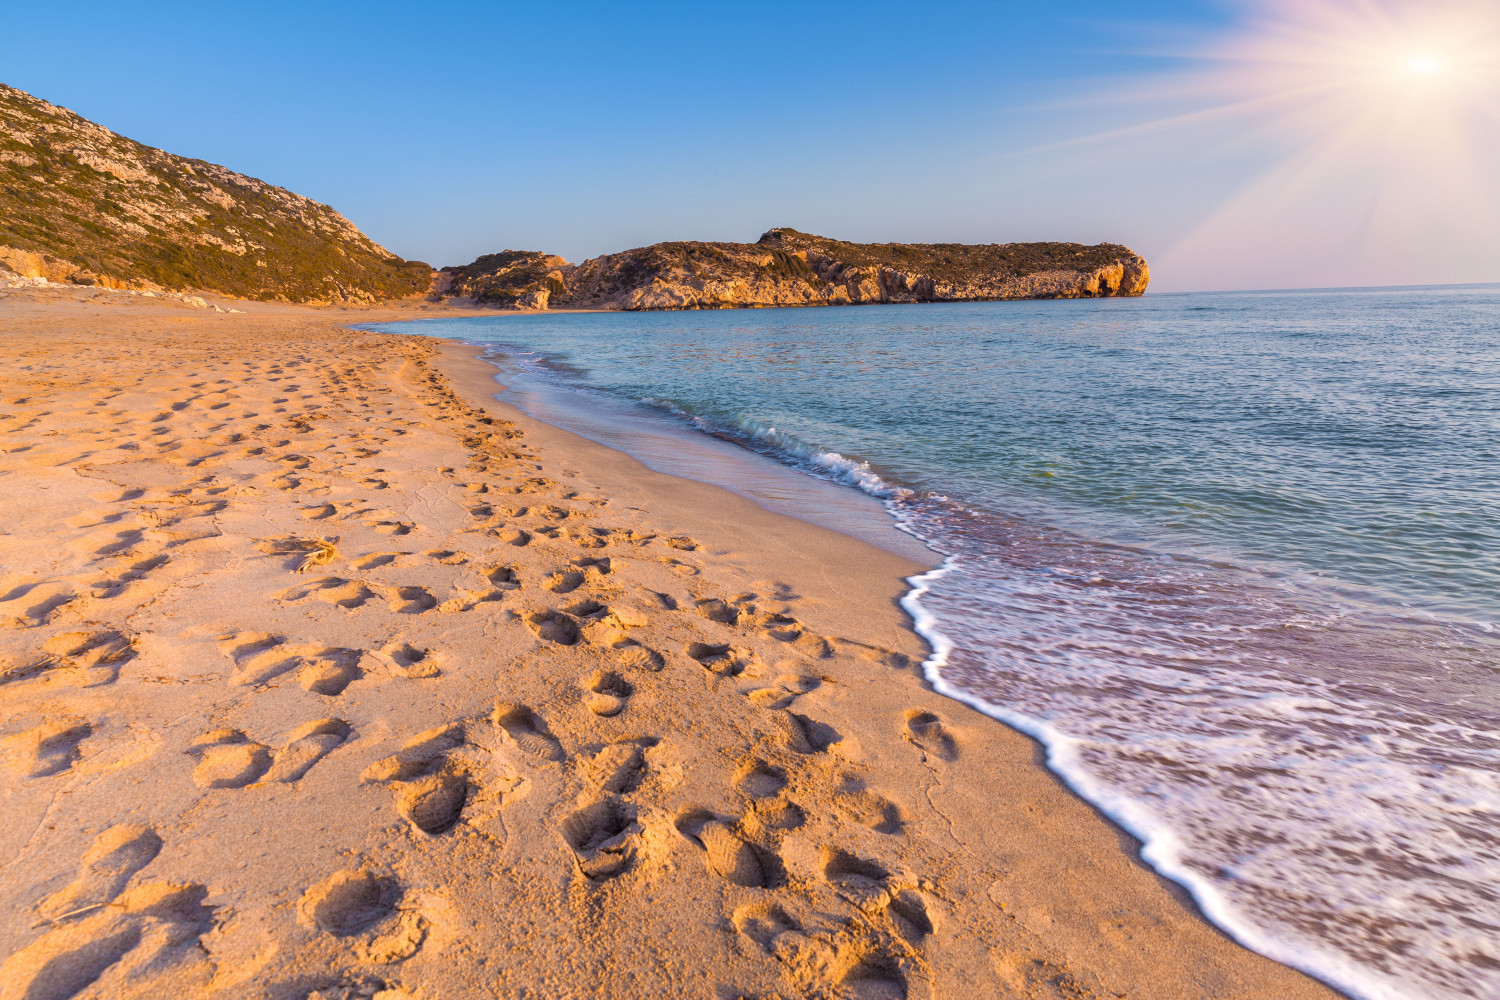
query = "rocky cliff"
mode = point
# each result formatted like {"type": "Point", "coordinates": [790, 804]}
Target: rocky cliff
{"type": "Point", "coordinates": [786, 267]}
{"type": "Point", "coordinates": [80, 203]}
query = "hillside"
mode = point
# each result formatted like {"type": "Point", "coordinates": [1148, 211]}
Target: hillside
{"type": "Point", "coordinates": [786, 267]}
{"type": "Point", "coordinates": [80, 203]}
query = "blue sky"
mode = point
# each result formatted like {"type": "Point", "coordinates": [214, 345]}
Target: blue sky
{"type": "Point", "coordinates": [462, 128]}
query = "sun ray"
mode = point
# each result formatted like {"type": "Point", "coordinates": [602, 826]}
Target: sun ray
{"type": "Point", "coordinates": [1397, 100]}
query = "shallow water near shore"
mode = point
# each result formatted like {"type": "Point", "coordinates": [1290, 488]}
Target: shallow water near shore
{"type": "Point", "coordinates": [1233, 558]}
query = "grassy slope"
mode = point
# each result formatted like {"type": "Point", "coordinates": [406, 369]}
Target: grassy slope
{"type": "Point", "coordinates": [117, 208]}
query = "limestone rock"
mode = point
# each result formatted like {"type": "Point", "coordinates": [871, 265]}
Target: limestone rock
{"type": "Point", "coordinates": [788, 268]}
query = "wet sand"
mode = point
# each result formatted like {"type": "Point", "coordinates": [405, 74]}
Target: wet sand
{"type": "Point", "coordinates": [322, 673]}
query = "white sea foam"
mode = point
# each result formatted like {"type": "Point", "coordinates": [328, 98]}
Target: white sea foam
{"type": "Point", "coordinates": [1294, 810]}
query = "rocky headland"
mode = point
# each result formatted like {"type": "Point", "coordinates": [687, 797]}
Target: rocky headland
{"type": "Point", "coordinates": [790, 268]}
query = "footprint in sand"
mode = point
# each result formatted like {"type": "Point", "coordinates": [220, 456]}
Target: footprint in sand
{"type": "Point", "coordinates": [333, 590]}
{"type": "Point", "coordinates": [152, 930]}
{"type": "Point", "coordinates": [925, 730]}
{"type": "Point", "coordinates": [554, 626]}
{"type": "Point", "coordinates": [502, 577]}
{"type": "Point", "coordinates": [910, 913]}
{"type": "Point", "coordinates": [527, 731]}
{"type": "Point", "coordinates": [112, 587]}
{"type": "Point", "coordinates": [852, 875]}
{"type": "Point", "coordinates": [375, 560]}
{"type": "Point", "coordinates": [757, 779]}
{"type": "Point", "coordinates": [33, 604]}
{"type": "Point", "coordinates": [679, 567]}
{"type": "Point", "coordinates": [590, 538]}
{"type": "Point", "coordinates": [802, 735]}
{"type": "Point", "coordinates": [391, 526]}
{"type": "Point", "coordinates": [411, 600]}
{"type": "Point", "coordinates": [330, 671]}
{"type": "Point", "coordinates": [591, 612]}
{"type": "Point", "coordinates": [620, 767]}
{"type": "Point", "coordinates": [873, 977]}
{"type": "Point", "coordinates": [348, 902]}
{"type": "Point", "coordinates": [718, 658]}
{"type": "Point", "coordinates": [406, 660]}
{"type": "Point", "coordinates": [633, 656]}
{"type": "Point", "coordinates": [307, 745]}
{"type": "Point", "coordinates": [728, 856]}
{"type": "Point", "coordinates": [44, 750]}
{"type": "Point", "coordinates": [658, 601]}
{"type": "Point", "coordinates": [431, 785]}
{"type": "Point", "coordinates": [513, 536]}
{"type": "Point", "coordinates": [89, 659]}
{"type": "Point", "coordinates": [858, 804]}
{"type": "Point", "coordinates": [260, 657]}
{"type": "Point", "coordinates": [718, 611]}
{"type": "Point", "coordinates": [607, 693]}
{"type": "Point", "coordinates": [109, 863]}
{"type": "Point", "coordinates": [814, 646]}
{"type": "Point", "coordinates": [564, 581]}
{"type": "Point", "coordinates": [227, 758]}
{"type": "Point", "coordinates": [594, 567]}
{"type": "Point", "coordinates": [776, 813]}
{"type": "Point", "coordinates": [786, 689]}
{"type": "Point", "coordinates": [600, 834]}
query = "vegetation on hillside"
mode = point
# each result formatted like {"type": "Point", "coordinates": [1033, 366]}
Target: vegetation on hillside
{"type": "Point", "coordinates": [503, 279]}
{"type": "Point", "coordinates": [118, 210]}
{"type": "Point", "coordinates": [954, 263]}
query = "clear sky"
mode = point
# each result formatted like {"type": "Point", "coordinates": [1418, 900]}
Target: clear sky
{"type": "Point", "coordinates": [1235, 143]}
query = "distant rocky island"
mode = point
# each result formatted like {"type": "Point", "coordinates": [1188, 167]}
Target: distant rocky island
{"type": "Point", "coordinates": [81, 204]}
{"type": "Point", "coordinates": [788, 268]}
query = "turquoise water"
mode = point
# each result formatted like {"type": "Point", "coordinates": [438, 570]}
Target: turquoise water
{"type": "Point", "coordinates": [1234, 558]}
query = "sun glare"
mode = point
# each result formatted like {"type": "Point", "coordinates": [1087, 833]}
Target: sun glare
{"type": "Point", "coordinates": [1374, 127]}
{"type": "Point", "coordinates": [1421, 65]}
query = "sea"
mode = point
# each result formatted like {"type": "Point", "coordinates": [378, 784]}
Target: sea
{"type": "Point", "coordinates": [1233, 559]}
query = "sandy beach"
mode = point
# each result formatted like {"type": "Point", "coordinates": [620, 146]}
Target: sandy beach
{"type": "Point", "coordinates": [324, 674]}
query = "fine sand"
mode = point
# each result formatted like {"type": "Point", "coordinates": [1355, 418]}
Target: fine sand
{"type": "Point", "coordinates": [322, 674]}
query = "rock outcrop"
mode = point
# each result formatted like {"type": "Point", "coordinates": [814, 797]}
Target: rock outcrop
{"type": "Point", "coordinates": [513, 279]}
{"type": "Point", "coordinates": [80, 204]}
{"type": "Point", "coordinates": [788, 268]}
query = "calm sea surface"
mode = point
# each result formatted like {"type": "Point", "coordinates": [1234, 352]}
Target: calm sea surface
{"type": "Point", "coordinates": [1234, 559]}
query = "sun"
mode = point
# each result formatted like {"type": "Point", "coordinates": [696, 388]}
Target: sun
{"type": "Point", "coordinates": [1423, 66]}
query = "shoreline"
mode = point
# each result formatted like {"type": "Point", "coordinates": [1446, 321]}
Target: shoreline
{"type": "Point", "coordinates": [752, 790]}
{"type": "Point", "coordinates": [1149, 837]}
{"type": "Point", "coordinates": [1192, 893]}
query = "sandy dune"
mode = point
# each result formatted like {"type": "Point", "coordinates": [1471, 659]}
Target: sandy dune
{"type": "Point", "coordinates": [324, 675]}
